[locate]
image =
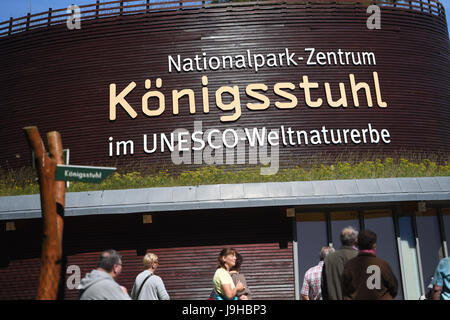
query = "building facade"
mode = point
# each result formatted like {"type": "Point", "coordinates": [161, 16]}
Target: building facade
{"type": "Point", "coordinates": [193, 84]}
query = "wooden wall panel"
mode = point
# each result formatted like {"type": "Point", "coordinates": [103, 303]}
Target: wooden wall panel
{"type": "Point", "coordinates": [187, 244]}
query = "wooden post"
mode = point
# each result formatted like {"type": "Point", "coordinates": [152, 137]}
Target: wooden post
{"type": "Point", "coordinates": [97, 8]}
{"type": "Point", "coordinates": [49, 19]}
{"type": "Point", "coordinates": [52, 205]}
{"type": "Point", "coordinates": [10, 26]}
{"type": "Point", "coordinates": [56, 151]}
{"type": "Point", "coordinates": [28, 21]}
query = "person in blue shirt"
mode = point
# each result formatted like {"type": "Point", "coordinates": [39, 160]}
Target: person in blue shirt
{"type": "Point", "coordinates": [441, 280]}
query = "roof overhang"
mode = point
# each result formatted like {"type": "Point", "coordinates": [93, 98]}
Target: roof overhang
{"type": "Point", "coordinates": [227, 196]}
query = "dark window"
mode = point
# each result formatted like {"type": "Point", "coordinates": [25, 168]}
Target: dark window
{"type": "Point", "coordinates": [430, 243]}
{"type": "Point", "coordinates": [446, 218]}
{"type": "Point", "coordinates": [311, 237]}
{"type": "Point", "coordinates": [340, 220]}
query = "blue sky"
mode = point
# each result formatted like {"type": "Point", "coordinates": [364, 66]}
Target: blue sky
{"type": "Point", "coordinates": [19, 8]}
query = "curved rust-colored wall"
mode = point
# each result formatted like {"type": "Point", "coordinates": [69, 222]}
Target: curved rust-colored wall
{"type": "Point", "coordinates": [58, 79]}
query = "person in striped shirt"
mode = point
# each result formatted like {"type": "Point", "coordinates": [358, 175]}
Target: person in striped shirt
{"type": "Point", "coordinates": [311, 283]}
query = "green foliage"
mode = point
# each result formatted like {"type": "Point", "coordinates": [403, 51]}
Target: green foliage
{"type": "Point", "coordinates": [24, 181]}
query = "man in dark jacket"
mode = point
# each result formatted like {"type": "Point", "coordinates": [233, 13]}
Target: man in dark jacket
{"type": "Point", "coordinates": [331, 282]}
{"type": "Point", "coordinates": [367, 277]}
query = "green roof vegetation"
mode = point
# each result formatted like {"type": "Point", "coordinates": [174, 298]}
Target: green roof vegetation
{"type": "Point", "coordinates": [23, 181]}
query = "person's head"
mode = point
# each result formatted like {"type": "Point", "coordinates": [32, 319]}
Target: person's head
{"type": "Point", "coordinates": [325, 251]}
{"type": "Point", "coordinates": [111, 262]}
{"type": "Point", "coordinates": [226, 258]}
{"type": "Point", "coordinates": [349, 236]}
{"type": "Point", "coordinates": [238, 263]}
{"type": "Point", "coordinates": [367, 240]}
{"type": "Point", "coordinates": [151, 261]}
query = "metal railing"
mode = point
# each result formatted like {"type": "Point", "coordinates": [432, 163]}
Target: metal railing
{"type": "Point", "coordinates": [100, 10]}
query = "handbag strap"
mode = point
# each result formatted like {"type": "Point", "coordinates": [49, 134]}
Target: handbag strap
{"type": "Point", "coordinates": [142, 285]}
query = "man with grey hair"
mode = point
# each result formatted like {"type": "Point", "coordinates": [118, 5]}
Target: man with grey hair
{"type": "Point", "coordinates": [334, 264]}
{"type": "Point", "coordinates": [100, 284]}
{"type": "Point", "coordinates": [311, 282]}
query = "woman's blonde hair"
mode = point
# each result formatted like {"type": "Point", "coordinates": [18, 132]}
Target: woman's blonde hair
{"type": "Point", "coordinates": [149, 260]}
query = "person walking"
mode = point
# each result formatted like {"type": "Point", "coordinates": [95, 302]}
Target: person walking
{"type": "Point", "coordinates": [441, 281]}
{"type": "Point", "coordinates": [224, 287]}
{"type": "Point", "coordinates": [237, 276]}
{"type": "Point", "coordinates": [311, 283]}
{"type": "Point", "coordinates": [147, 285]}
{"type": "Point", "coordinates": [367, 277]}
{"type": "Point", "coordinates": [100, 284]}
{"type": "Point", "coordinates": [333, 267]}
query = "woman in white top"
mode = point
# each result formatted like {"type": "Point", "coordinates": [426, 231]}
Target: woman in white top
{"type": "Point", "coordinates": [224, 287]}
